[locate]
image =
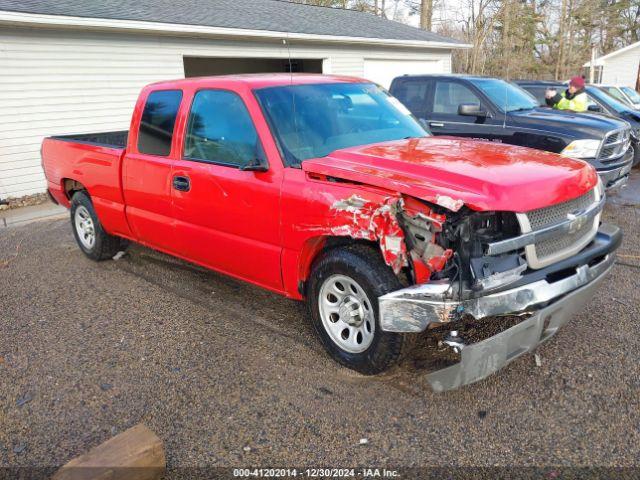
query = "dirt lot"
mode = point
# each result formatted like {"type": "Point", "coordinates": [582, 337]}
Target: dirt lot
{"type": "Point", "coordinates": [230, 375]}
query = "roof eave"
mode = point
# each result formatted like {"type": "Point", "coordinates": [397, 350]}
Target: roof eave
{"type": "Point", "coordinates": [600, 61]}
{"type": "Point", "coordinates": [41, 20]}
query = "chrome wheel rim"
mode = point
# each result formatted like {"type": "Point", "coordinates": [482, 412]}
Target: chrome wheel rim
{"type": "Point", "coordinates": [346, 313]}
{"type": "Point", "coordinates": [84, 227]}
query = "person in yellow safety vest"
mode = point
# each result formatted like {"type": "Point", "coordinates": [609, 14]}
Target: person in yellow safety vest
{"type": "Point", "coordinates": [573, 99]}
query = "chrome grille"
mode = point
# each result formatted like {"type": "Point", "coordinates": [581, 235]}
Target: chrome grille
{"type": "Point", "coordinates": [548, 248]}
{"type": "Point", "coordinates": [543, 217]}
{"type": "Point", "coordinates": [554, 249]}
{"type": "Point", "coordinates": [615, 143]}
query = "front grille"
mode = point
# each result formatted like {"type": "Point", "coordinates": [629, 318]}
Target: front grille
{"type": "Point", "coordinates": [551, 250]}
{"type": "Point", "coordinates": [548, 248]}
{"type": "Point", "coordinates": [544, 217]}
{"type": "Point", "coordinates": [615, 143]}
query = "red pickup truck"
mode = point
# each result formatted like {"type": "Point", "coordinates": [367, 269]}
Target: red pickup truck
{"type": "Point", "coordinates": [326, 189]}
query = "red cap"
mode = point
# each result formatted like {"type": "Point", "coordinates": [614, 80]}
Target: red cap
{"type": "Point", "coordinates": [577, 82]}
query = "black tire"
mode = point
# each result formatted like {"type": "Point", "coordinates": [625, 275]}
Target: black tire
{"type": "Point", "coordinates": [363, 264]}
{"type": "Point", "coordinates": [105, 246]}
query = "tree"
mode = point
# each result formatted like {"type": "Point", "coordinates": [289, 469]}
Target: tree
{"type": "Point", "coordinates": [542, 39]}
{"type": "Point", "coordinates": [426, 14]}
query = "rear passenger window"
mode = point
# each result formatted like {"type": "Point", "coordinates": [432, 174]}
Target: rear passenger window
{"type": "Point", "coordinates": [413, 94]}
{"type": "Point", "coordinates": [220, 130]}
{"type": "Point", "coordinates": [158, 120]}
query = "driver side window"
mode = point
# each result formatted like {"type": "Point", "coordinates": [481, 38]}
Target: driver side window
{"type": "Point", "coordinates": [449, 95]}
{"type": "Point", "coordinates": [220, 130]}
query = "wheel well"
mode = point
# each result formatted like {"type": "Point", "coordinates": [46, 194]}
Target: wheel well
{"type": "Point", "coordinates": [315, 247]}
{"type": "Point", "coordinates": [71, 187]}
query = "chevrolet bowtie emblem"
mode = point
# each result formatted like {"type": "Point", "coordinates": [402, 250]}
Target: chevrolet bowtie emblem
{"type": "Point", "coordinates": [576, 222]}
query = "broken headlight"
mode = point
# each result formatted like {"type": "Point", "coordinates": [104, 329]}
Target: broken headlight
{"type": "Point", "coordinates": [469, 237]}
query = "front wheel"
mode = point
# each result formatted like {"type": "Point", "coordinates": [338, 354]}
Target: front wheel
{"type": "Point", "coordinates": [343, 292]}
{"type": "Point", "coordinates": [94, 242]}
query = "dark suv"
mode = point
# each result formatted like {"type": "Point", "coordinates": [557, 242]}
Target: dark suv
{"type": "Point", "coordinates": [499, 111]}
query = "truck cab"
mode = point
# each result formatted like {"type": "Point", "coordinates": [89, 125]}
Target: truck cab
{"type": "Point", "coordinates": [499, 111]}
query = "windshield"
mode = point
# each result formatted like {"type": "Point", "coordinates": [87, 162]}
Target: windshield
{"type": "Point", "coordinates": [312, 121]}
{"type": "Point", "coordinates": [608, 100]}
{"type": "Point", "coordinates": [507, 96]}
{"type": "Point", "coordinates": [632, 94]}
{"type": "Point", "coordinates": [616, 93]}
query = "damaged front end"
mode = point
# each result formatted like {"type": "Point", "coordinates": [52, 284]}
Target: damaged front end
{"type": "Point", "coordinates": [464, 267]}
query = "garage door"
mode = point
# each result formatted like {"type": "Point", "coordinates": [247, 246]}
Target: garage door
{"type": "Point", "coordinates": [382, 71]}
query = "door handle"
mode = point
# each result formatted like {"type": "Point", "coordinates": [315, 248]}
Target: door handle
{"type": "Point", "coordinates": [182, 184]}
{"type": "Point", "coordinates": [436, 124]}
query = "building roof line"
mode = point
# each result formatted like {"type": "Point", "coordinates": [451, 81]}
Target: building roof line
{"type": "Point", "coordinates": [599, 60]}
{"type": "Point", "coordinates": [42, 20]}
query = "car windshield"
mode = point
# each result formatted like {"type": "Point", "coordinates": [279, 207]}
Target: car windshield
{"type": "Point", "coordinates": [632, 94]}
{"type": "Point", "coordinates": [616, 93]}
{"type": "Point", "coordinates": [507, 96]}
{"type": "Point", "coordinates": [311, 121]}
{"type": "Point", "coordinates": [608, 100]}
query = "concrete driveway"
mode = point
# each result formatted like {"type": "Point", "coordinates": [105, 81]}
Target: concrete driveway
{"type": "Point", "coordinates": [230, 375]}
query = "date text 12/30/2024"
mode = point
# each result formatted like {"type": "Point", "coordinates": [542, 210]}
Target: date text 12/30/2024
{"type": "Point", "coordinates": [315, 472]}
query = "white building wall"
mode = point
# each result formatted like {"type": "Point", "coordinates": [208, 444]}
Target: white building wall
{"type": "Point", "coordinates": [55, 82]}
{"type": "Point", "coordinates": [622, 69]}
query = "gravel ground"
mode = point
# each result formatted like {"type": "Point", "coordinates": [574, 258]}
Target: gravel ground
{"type": "Point", "coordinates": [230, 375]}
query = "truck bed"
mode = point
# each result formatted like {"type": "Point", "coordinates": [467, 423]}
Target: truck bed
{"type": "Point", "coordinates": [102, 139]}
{"type": "Point", "coordinates": [94, 161]}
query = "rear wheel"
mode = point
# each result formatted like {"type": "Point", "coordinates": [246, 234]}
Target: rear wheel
{"type": "Point", "coordinates": [94, 242]}
{"type": "Point", "coordinates": [343, 292]}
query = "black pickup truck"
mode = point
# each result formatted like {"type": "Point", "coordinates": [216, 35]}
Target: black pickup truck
{"type": "Point", "coordinates": [496, 110]}
{"type": "Point", "coordinates": [600, 101]}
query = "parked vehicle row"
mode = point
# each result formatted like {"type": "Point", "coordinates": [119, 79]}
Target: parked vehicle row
{"type": "Point", "coordinates": [499, 111]}
{"type": "Point", "coordinates": [326, 189]}
{"type": "Point", "coordinates": [625, 95]}
{"type": "Point", "coordinates": [600, 102]}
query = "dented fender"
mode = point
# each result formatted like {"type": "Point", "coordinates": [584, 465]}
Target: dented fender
{"type": "Point", "coordinates": [331, 208]}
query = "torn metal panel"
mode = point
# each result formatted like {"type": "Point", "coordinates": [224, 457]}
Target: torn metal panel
{"type": "Point", "coordinates": [381, 221]}
{"type": "Point", "coordinates": [450, 203]}
{"type": "Point", "coordinates": [359, 218]}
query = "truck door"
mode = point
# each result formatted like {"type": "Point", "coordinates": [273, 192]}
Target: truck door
{"type": "Point", "coordinates": [146, 171]}
{"type": "Point", "coordinates": [226, 217]}
{"type": "Point", "coordinates": [444, 116]}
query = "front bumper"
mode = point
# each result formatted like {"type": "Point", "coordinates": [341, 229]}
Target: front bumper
{"type": "Point", "coordinates": [481, 359]}
{"type": "Point", "coordinates": [615, 174]}
{"type": "Point", "coordinates": [615, 177]}
{"type": "Point", "coordinates": [549, 295]}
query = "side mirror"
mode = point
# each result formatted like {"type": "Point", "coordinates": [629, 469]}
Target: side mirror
{"type": "Point", "coordinates": [471, 110]}
{"type": "Point", "coordinates": [258, 163]}
{"type": "Point", "coordinates": [594, 108]}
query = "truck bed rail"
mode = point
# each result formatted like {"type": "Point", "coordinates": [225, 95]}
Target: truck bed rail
{"type": "Point", "coordinates": [105, 139]}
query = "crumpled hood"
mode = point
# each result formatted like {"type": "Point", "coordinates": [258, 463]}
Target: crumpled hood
{"type": "Point", "coordinates": [451, 172]}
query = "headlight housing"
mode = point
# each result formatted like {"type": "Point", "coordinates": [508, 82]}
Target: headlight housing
{"type": "Point", "coordinates": [582, 149]}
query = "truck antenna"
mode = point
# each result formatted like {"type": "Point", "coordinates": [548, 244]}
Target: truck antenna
{"type": "Point", "coordinates": [285, 41]}
{"type": "Point", "coordinates": [504, 117]}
